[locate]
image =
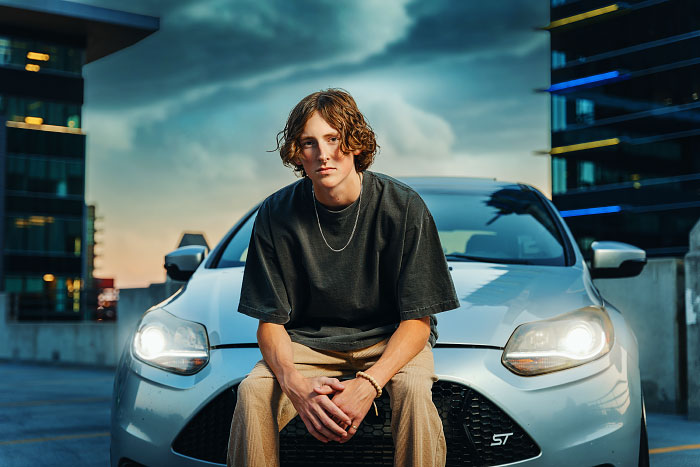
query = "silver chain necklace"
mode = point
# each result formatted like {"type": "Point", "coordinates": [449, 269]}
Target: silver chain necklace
{"type": "Point", "coordinates": [359, 205]}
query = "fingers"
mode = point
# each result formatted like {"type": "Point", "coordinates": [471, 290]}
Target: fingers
{"type": "Point", "coordinates": [330, 424]}
{"type": "Point", "coordinates": [334, 383]}
{"type": "Point", "coordinates": [334, 411]}
{"type": "Point", "coordinates": [311, 426]}
{"type": "Point", "coordinates": [352, 429]}
{"type": "Point", "coordinates": [324, 390]}
{"type": "Point", "coordinates": [328, 385]}
{"type": "Point", "coordinates": [334, 430]}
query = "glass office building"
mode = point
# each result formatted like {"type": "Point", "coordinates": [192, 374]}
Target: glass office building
{"type": "Point", "coordinates": [625, 126]}
{"type": "Point", "coordinates": [45, 231]}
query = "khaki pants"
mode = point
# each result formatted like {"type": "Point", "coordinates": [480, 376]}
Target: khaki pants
{"type": "Point", "coordinates": [263, 410]}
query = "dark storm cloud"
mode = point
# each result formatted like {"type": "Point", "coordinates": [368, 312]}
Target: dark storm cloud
{"type": "Point", "coordinates": [205, 42]}
{"type": "Point", "coordinates": [452, 27]}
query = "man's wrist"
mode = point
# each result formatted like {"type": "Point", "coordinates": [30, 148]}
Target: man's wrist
{"type": "Point", "coordinates": [367, 387]}
{"type": "Point", "coordinates": [378, 376]}
{"type": "Point", "coordinates": [289, 380]}
{"type": "Point", "coordinates": [370, 379]}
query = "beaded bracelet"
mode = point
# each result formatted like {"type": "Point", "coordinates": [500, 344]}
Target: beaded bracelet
{"type": "Point", "coordinates": [377, 387]}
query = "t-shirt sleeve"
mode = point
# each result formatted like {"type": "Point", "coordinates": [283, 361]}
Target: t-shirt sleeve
{"type": "Point", "coordinates": [425, 286]}
{"type": "Point", "coordinates": [263, 293]}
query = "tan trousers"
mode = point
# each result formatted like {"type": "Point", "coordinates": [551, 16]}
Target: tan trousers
{"type": "Point", "coordinates": [263, 410]}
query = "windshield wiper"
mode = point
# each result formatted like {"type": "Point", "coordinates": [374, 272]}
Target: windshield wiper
{"type": "Point", "coordinates": [484, 259]}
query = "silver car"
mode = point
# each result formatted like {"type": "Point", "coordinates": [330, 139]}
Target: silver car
{"type": "Point", "coordinates": [535, 367]}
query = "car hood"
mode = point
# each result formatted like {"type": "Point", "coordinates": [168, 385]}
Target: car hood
{"type": "Point", "coordinates": [494, 300]}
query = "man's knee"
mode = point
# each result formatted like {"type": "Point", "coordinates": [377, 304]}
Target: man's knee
{"type": "Point", "coordinates": [253, 390]}
{"type": "Point", "coordinates": [409, 388]}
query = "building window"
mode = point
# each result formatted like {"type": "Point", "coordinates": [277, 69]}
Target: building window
{"type": "Point", "coordinates": [35, 297]}
{"type": "Point", "coordinates": [558, 175]}
{"type": "Point", "coordinates": [37, 55]}
{"type": "Point", "coordinates": [4, 51]}
{"type": "Point", "coordinates": [586, 173]}
{"type": "Point", "coordinates": [558, 59]}
{"type": "Point", "coordinates": [43, 235]}
{"type": "Point", "coordinates": [48, 143]}
{"type": "Point", "coordinates": [44, 175]}
{"type": "Point", "coordinates": [558, 113]}
{"type": "Point", "coordinates": [585, 111]}
{"type": "Point", "coordinates": [19, 109]}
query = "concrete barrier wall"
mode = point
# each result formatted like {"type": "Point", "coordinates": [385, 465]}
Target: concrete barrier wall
{"type": "Point", "coordinates": [692, 318]}
{"type": "Point", "coordinates": [652, 303]}
{"type": "Point", "coordinates": [89, 343]}
{"type": "Point", "coordinates": [82, 342]}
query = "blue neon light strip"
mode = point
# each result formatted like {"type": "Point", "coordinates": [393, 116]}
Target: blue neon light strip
{"type": "Point", "coordinates": [581, 81]}
{"type": "Point", "coordinates": [590, 211]}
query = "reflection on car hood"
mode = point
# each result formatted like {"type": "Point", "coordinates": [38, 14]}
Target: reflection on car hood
{"type": "Point", "coordinates": [494, 299]}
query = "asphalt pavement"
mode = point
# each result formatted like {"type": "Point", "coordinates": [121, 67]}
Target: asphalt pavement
{"type": "Point", "coordinates": [54, 415]}
{"type": "Point", "coordinates": [59, 416]}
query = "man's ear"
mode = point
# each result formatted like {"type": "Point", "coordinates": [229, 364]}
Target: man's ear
{"type": "Point", "coordinates": [357, 152]}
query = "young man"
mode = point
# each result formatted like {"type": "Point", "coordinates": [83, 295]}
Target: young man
{"type": "Point", "coordinates": [344, 271]}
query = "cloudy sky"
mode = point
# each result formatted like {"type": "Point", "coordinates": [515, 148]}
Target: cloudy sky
{"type": "Point", "coordinates": [179, 125]}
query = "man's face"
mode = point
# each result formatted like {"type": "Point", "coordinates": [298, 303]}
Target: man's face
{"type": "Point", "coordinates": [324, 163]}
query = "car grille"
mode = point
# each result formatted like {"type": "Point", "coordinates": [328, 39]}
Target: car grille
{"type": "Point", "coordinates": [469, 419]}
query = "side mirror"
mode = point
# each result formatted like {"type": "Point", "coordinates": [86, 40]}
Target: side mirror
{"type": "Point", "coordinates": [181, 263]}
{"type": "Point", "coordinates": [616, 259]}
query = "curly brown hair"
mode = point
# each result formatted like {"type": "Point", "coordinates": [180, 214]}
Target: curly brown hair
{"type": "Point", "coordinates": [338, 108]}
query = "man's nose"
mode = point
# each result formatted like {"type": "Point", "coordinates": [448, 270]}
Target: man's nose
{"type": "Point", "coordinates": [324, 152]}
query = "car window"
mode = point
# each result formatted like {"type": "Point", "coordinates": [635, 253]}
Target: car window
{"type": "Point", "coordinates": [505, 226]}
{"type": "Point", "coordinates": [237, 249]}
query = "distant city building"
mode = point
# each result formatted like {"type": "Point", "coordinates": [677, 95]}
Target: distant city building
{"type": "Point", "coordinates": [45, 266]}
{"type": "Point", "coordinates": [193, 238]}
{"type": "Point", "coordinates": [625, 123]}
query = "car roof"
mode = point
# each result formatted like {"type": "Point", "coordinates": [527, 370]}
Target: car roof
{"type": "Point", "coordinates": [457, 184]}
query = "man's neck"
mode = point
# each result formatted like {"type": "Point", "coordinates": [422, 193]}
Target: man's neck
{"type": "Point", "coordinates": [340, 196]}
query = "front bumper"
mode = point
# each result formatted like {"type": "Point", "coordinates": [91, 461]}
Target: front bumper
{"type": "Point", "coordinates": [588, 415]}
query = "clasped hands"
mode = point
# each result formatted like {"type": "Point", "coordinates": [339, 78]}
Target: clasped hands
{"type": "Point", "coordinates": [335, 418]}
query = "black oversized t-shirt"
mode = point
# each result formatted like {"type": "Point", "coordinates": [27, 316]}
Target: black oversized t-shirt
{"type": "Point", "coordinates": [393, 269]}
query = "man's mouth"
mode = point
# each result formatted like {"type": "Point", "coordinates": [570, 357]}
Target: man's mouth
{"type": "Point", "coordinates": [325, 170]}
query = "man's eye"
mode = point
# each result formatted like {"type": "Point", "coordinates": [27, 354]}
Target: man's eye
{"type": "Point", "coordinates": [307, 144]}
{"type": "Point", "coordinates": [333, 139]}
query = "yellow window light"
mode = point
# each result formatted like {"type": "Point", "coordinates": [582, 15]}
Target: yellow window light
{"type": "Point", "coordinates": [32, 67]}
{"type": "Point", "coordinates": [582, 16]}
{"type": "Point", "coordinates": [34, 120]}
{"type": "Point", "coordinates": [38, 56]}
{"type": "Point", "coordinates": [77, 247]}
{"type": "Point", "coordinates": [33, 221]}
{"type": "Point", "coordinates": [49, 278]}
{"type": "Point", "coordinates": [581, 146]}
{"type": "Point", "coordinates": [40, 220]}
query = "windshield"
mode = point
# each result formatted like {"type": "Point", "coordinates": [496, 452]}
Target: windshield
{"type": "Point", "coordinates": [506, 226]}
{"type": "Point", "coordinates": [237, 249]}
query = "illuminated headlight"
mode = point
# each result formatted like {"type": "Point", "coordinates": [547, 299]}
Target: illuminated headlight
{"type": "Point", "coordinates": [559, 343]}
{"type": "Point", "coordinates": [171, 343]}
